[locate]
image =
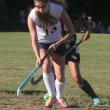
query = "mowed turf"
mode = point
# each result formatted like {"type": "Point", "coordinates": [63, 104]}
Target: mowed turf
{"type": "Point", "coordinates": [17, 60]}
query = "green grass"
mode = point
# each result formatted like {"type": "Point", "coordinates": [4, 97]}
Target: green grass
{"type": "Point", "coordinates": [95, 63]}
{"type": "Point", "coordinates": [17, 59]}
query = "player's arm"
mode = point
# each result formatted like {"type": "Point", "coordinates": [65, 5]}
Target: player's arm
{"type": "Point", "coordinates": [70, 29]}
{"type": "Point", "coordinates": [33, 33]}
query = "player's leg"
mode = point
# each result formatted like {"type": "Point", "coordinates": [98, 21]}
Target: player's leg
{"type": "Point", "coordinates": [59, 64]}
{"type": "Point", "coordinates": [60, 79]}
{"type": "Point", "coordinates": [76, 76]}
{"type": "Point", "coordinates": [48, 78]}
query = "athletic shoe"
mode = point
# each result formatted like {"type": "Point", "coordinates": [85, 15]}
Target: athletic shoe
{"type": "Point", "coordinates": [96, 101]}
{"type": "Point", "coordinates": [51, 100]}
{"type": "Point", "coordinates": [46, 96]}
{"type": "Point", "coordinates": [62, 102]}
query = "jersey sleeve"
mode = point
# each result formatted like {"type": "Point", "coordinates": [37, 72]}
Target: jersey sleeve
{"type": "Point", "coordinates": [32, 15]}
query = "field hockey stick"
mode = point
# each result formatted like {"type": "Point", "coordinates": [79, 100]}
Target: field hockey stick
{"type": "Point", "coordinates": [36, 81]}
{"type": "Point", "coordinates": [77, 44]}
{"type": "Point", "coordinates": [31, 74]}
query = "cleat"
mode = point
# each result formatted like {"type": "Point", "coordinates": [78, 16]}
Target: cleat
{"type": "Point", "coordinates": [46, 96]}
{"type": "Point", "coordinates": [96, 101]}
{"type": "Point", "coordinates": [50, 101]}
{"type": "Point", "coordinates": [62, 102]}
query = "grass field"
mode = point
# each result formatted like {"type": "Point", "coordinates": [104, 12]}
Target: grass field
{"type": "Point", "coordinates": [17, 59]}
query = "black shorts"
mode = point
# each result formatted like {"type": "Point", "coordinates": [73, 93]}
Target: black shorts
{"type": "Point", "coordinates": [60, 50]}
{"type": "Point", "coordinates": [74, 57]}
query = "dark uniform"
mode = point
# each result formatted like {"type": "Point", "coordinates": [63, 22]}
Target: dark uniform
{"type": "Point", "coordinates": [72, 55]}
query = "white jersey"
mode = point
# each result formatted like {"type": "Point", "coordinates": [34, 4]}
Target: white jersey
{"type": "Point", "coordinates": [54, 32]}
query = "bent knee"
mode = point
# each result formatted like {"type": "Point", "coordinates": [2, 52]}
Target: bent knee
{"type": "Point", "coordinates": [77, 80]}
{"type": "Point", "coordinates": [60, 77]}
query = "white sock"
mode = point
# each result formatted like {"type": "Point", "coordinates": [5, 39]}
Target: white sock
{"type": "Point", "coordinates": [50, 83]}
{"type": "Point", "coordinates": [59, 88]}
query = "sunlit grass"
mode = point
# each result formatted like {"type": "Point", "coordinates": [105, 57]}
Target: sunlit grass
{"type": "Point", "coordinates": [17, 59]}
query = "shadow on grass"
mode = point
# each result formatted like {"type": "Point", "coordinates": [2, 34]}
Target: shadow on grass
{"type": "Point", "coordinates": [11, 68]}
{"type": "Point", "coordinates": [34, 92]}
{"type": "Point", "coordinates": [73, 106]}
{"type": "Point", "coordinates": [26, 92]}
{"type": "Point", "coordinates": [76, 106]}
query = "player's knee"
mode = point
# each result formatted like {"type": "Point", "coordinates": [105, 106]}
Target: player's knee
{"type": "Point", "coordinates": [77, 80]}
{"type": "Point", "coordinates": [46, 67]}
{"type": "Point", "coordinates": [60, 77]}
